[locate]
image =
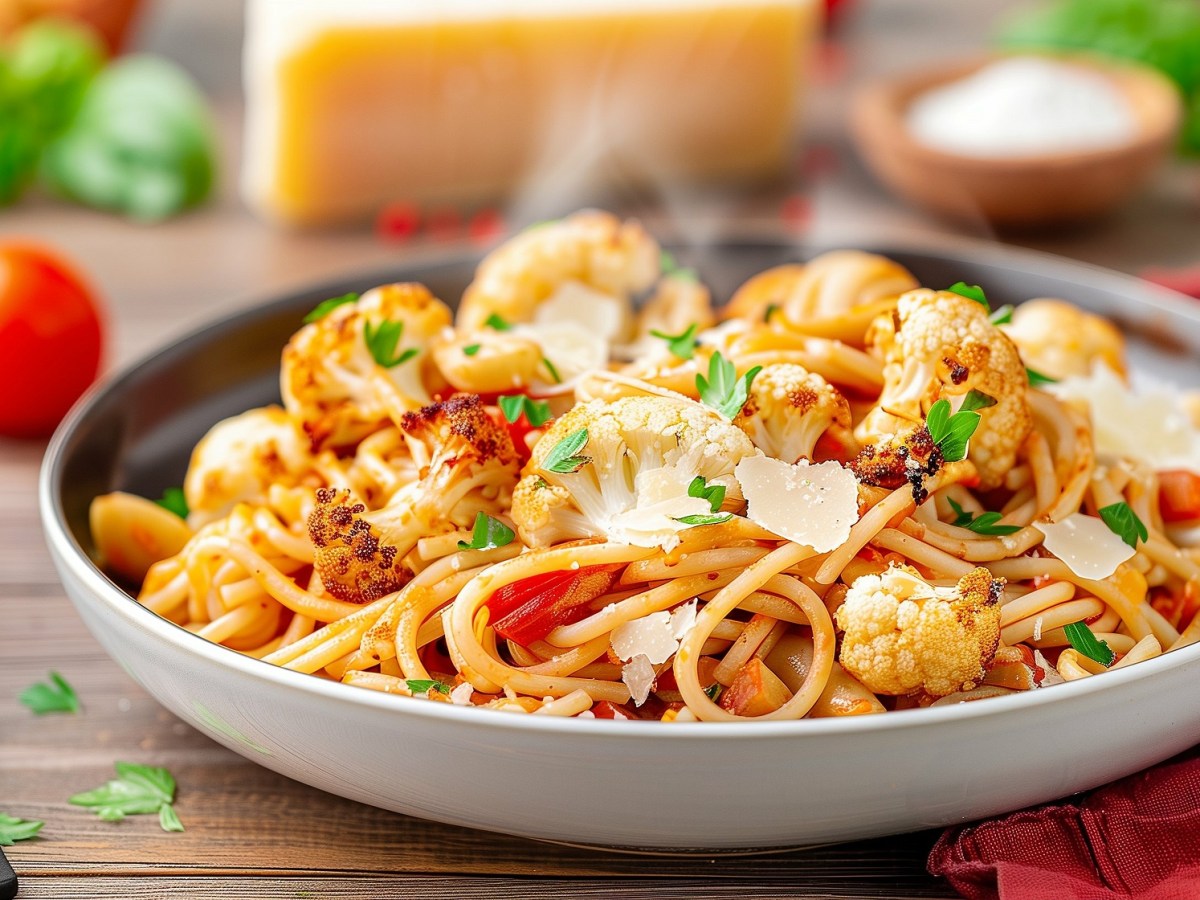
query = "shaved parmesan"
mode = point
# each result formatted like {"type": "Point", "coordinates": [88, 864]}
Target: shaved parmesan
{"type": "Point", "coordinates": [594, 311]}
{"type": "Point", "coordinates": [1088, 547]}
{"type": "Point", "coordinates": [461, 695]}
{"type": "Point", "coordinates": [814, 505]}
{"type": "Point", "coordinates": [650, 636]}
{"type": "Point", "coordinates": [571, 348]}
{"type": "Point", "coordinates": [638, 675]}
{"type": "Point", "coordinates": [662, 499]}
{"type": "Point", "coordinates": [682, 620]}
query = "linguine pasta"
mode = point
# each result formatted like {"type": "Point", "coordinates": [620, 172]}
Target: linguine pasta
{"type": "Point", "coordinates": [839, 494]}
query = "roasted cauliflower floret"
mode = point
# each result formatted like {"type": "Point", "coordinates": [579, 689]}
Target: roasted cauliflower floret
{"type": "Point", "coordinates": [904, 636]}
{"type": "Point", "coordinates": [789, 409]}
{"type": "Point", "coordinates": [1059, 339]}
{"type": "Point", "coordinates": [939, 345]}
{"type": "Point", "coordinates": [240, 458]}
{"type": "Point", "coordinates": [331, 382]}
{"type": "Point", "coordinates": [628, 480]}
{"type": "Point", "coordinates": [584, 267]}
{"type": "Point", "coordinates": [467, 465]}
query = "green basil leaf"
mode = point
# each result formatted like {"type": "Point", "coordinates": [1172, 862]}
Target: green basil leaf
{"type": "Point", "coordinates": [325, 307]}
{"type": "Point", "coordinates": [1082, 639]}
{"type": "Point", "coordinates": [563, 459]}
{"type": "Point", "coordinates": [488, 534]}
{"type": "Point", "coordinates": [1124, 523]}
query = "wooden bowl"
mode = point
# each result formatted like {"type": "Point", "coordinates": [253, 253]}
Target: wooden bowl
{"type": "Point", "coordinates": [1018, 192]}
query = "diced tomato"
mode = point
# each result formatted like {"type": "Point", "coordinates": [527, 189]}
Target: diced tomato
{"type": "Point", "coordinates": [527, 610]}
{"type": "Point", "coordinates": [1179, 495]}
{"type": "Point", "coordinates": [606, 709]}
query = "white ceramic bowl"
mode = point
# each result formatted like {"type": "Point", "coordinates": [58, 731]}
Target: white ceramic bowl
{"type": "Point", "coordinates": [616, 784]}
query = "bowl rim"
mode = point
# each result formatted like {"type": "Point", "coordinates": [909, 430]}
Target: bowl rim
{"type": "Point", "coordinates": [71, 557]}
{"type": "Point", "coordinates": [878, 106]}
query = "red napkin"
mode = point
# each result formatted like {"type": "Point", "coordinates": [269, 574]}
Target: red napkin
{"type": "Point", "coordinates": [1135, 838]}
{"type": "Point", "coordinates": [1185, 280]}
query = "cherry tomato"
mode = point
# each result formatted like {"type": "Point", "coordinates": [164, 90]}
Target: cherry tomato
{"type": "Point", "coordinates": [527, 610]}
{"type": "Point", "coordinates": [1179, 495]}
{"type": "Point", "coordinates": [50, 338]}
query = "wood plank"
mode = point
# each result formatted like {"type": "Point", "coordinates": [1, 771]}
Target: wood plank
{"type": "Point", "coordinates": [455, 888]}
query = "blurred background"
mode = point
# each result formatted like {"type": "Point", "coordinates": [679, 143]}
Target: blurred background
{"type": "Point", "coordinates": [239, 152]}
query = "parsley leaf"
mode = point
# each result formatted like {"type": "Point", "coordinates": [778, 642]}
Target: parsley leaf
{"type": "Point", "coordinates": [488, 534]}
{"type": "Point", "coordinates": [325, 307]}
{"type": "Point", "coordinates": [971, 292]}
{"type": "Point", "coordinates": [1081, 638]}
{"type": "Point", "coordinates": [1124, 523]}
{"type": "Point", "coordinates": [58, 696]}
{"type": "Point", "coordinates": [471, 349]}
{"type": "Point", "coordinates": [1037, 379]}
{"type": "Point", "coordinates": [952, 433]}
{"type": "Point", "coordinates": [723, 390]}
{"type": "Point", "coordinates": [713, 691]}
{"type": "Point", "coordinates": [563, 459]}
{"type": "Point", "coordinates": [713, 493]}
{"type": "Point", "coordinates": [681, 345]}
{"type": "Point", "coordinates": [771, 309]}
{"type": "Point", "coordinates": [671, 268]}
{"type": "Point", "coordinates": [984, 523]}
{"type": "Point", "coordinates": [137, 790]}
{"type": "Point", "coordinates": [173, 500]}
{"type": "Point", "coordinates": [976, 400]}
{"type": "Point", "coordinates": [552, 370]}
{"type": "Point", "coordinates": [537, 413]}
{"type": "Point", "coordinates": [425, 685]}
{"type": "Point", "coordinates": [383, 339]}
{"type": "Point", "coordinates": [496, 323]}
{"type": "Point", "coordinates": [717, 519]}
{"type": "Point", "coordinates": [1002, 316]}
{"type": "Point", "coordinates": [13, 829]}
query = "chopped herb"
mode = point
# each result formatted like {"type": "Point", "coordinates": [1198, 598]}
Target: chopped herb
{"type": "Point", "coordinates": [174, 500]}
{"type": "Point", "coordinates": [488, 534]}
{"type": "Point", "coordinates": [563, 459]}
{"type": "Point", "coordinates": [717, 519]}
{"type": "Point", "coordinates": [496, 323]}
{"type": "Point", "coordinates": [971, 292]}
{"type": "Point", "coordinates": [952, 433]}
{"type": "Point", "coordinates": [544, 223]}
{"type": "Point", "coordinates": [552, 370]}
{"type": "Point", "coordinates": [325, 307]}
{"type": "Point", "coordinates": [1081, 638]}
{"type": "Point", "coordinates": [976, 400]}
{"type": "Point", "coordinates": [984, 523]}
{"type": "Point", "coordinates": [671, 268]}
{"type": "Point", "coordinates": [723, 390]}
{"type": "Point", "coordinates": [771, 309]}
{"type": "Point", "coordinates": [1002, 316]}
{"type": "Point", "coordinates": [713, 691]}
{"type": "Point", "coordinates": [1037, 379]}
{"type": "Point", "coordinates": [1124, 523]}
{"type": "Point", "coordinates": [13, 829]}
{"type": "Point", "coordinates": [425, 685]}
{"type": "Point", "coordinates": [681, 345]}
{"type": "Point", "coordinates": [713, 493]}
{"type": "Point", "coordinates": [471, 349]}
{"type": "Point", "coordinates": [58, 696]}
{"type": "Point", "coordinates": [537, 413]}
{"type": "Point", "coordinates": [383, 339]}
{"type": "Point", "coordinates": [136, 791]}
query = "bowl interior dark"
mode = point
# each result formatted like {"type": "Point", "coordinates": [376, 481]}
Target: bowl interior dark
{"type": "Point", "coordinates": [136, 432]}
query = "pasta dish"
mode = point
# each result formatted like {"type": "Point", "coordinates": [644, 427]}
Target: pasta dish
{"type": "Point", "coordinates": [589, 492]}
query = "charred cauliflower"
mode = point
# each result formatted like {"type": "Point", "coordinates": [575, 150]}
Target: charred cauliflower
{"type": "Point", "coordinates": [789, 409]}
{"type": "Point", "coordinates": [467, 464]}
{"type": "Point", "coordinates": [629, 480]}
{"type": "Point", "coordinates": [904, 636]}
{"type": "Point", "coordinates": [333, 384]}
{"type": "Point", "coordinates": [240, 458]}
{"type": "Point", "coordinates": [938, 345]}
{"type": "Point", "coordinates": [1059, 339]}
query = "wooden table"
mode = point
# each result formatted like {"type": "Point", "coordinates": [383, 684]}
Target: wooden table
{"type": "Point", "coordinates": [251, 832]}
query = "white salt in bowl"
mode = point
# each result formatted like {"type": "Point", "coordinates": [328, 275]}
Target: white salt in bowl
{"type": "Point", "coordinates": [1025, 191]}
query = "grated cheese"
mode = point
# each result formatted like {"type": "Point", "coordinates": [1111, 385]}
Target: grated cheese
{"type": "Point", "coordinates": [1088, 547]}
{"type": "Point", "coordinates": [638, 675]}
{"type": "Point", "coordinates": [814, 505]}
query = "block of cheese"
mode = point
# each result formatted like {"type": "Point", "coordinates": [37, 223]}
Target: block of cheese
{"type": "Point", "coordinates": [355, 104]}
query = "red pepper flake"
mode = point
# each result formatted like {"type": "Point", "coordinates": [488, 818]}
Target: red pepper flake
{"type": "Point", "coordinates": [444, 223]}
{"type": "Point", "coordinates": [485, 226]}
{"type": "Point", "coordinates": [398, 222]}
{"type": "Point", "coordinates": [1186, 280]}
{"type": "Point", "coordinates": [796, 212]}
